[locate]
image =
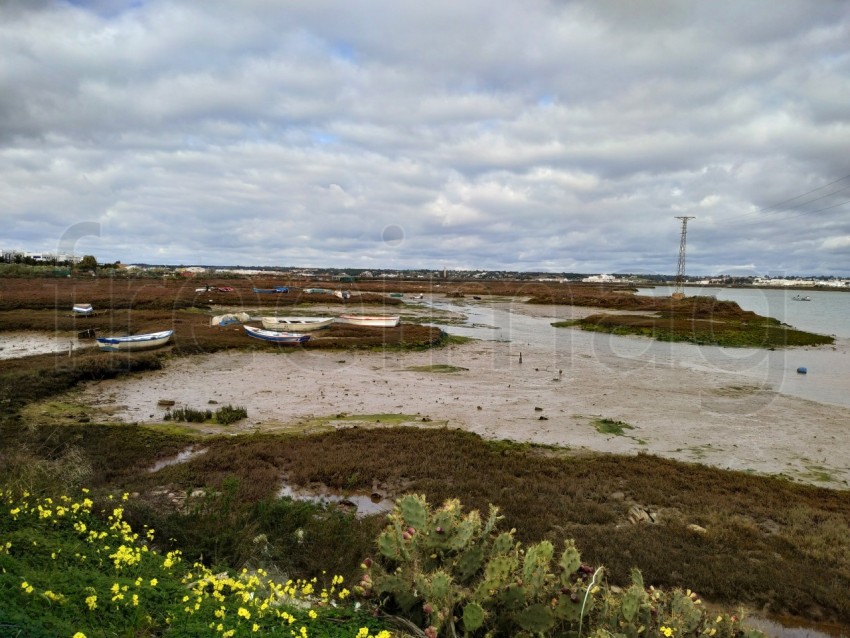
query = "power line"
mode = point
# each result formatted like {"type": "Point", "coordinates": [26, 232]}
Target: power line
{"type": "Point", "coordinates": [775, 207]}
{"type": "Point", "coordinates": [814, 190]}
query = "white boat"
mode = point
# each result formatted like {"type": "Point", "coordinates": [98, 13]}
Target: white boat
{"type": "Point", "coordinates": [225, 320]}
{"type": "Point", "coordinates": [288, 338]}
{"type": "Point", "coordinates": [83, 309]}
{"type": "Point", "coordinates": [380, 321]}
{"type": "Point", "coordinates": [134, 342]}
{"type": "Point", "coordinates": [800, 298]}
{"type": "Point", "coordinates": [296, 324]}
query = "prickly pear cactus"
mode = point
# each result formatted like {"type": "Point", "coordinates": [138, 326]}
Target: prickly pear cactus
{"type": "Point", "coordinates": [631, 603]}
{"type": "Point", "coordinates": [503, 544]}
{"type": "Point", "coordinates": [685, 611]}
{"type": "Point", "coordinates": [536, 619]}
{"type": "Point", "coordinates": [536, 566]}
{"type": "Point", "coordinates": [391, 543]}
{"type": "Point", "coordinates": [451, 573]}
{"type": "Point", "coordinates": [414, 510]}
{"type": "Point", "coordinates": [570, 561]}
{"type": "Point", "coordinates": [469, 564]}
{"type": "Point", "coordinates": [473, 617]}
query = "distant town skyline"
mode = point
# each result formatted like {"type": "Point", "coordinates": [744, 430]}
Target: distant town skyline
{"type": "Point", "coordinates": [561, 137]}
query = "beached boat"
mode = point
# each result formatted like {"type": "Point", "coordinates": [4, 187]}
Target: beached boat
{"type": "Point", "coordinates": [271, 291]}
{"type": "Point", "coordinates": [380, 321]}
{"type": "Point", "coordinates": [225, 320]}
{"type": "Point", "coordinates": [296, 324]}
{"type": "Point", "coordinates": [134, 342]}
{"type": "Point", "coordinates": [83, 309]}
{"type": "Point", "coordinates": [289, 338]}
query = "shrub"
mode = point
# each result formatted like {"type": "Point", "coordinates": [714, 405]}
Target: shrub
{"type": "Point", "coordinates": [188, 414]}
{"type": "Point", "coordinates": [447, 571]}
{"type": "Point", "coordinates": [228, 414]}
{"type": "Point", "coordinates": [225, 415]}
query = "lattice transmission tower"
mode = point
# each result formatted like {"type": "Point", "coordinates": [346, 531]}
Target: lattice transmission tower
{"type": "Point", "coordinates": [679, 290]}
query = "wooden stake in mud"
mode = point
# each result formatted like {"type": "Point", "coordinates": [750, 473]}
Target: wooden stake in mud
{"type": "Point", "coordinates": [520, 357]}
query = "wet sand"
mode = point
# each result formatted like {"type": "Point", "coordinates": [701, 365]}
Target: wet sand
{"type": "Point", "coordinates": [16, 344]}
{"type": "Point", "coordinates": [515, 391]}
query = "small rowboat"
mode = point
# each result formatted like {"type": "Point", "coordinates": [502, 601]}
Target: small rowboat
{"type": "Point", "coordinates": [288, 338]}
{"type": "Point", "coordinates": [380, 321]}
{"type": "Point", "coordinates": [83, 309]}
{"type": "Point", "coordinates": [296, 324]}
{"type": "Point", "coordinates": [134, 342]}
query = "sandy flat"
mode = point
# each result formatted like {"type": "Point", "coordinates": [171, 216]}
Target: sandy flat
{"type": "Point", "coordinates": [522, 392]}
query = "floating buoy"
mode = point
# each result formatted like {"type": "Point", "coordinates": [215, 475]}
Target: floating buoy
{"type": "Point", "coordinates": [801, 370]}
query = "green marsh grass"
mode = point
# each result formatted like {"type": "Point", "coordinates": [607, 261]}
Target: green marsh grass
{"type": "Point", "coordinates": [544, 493]}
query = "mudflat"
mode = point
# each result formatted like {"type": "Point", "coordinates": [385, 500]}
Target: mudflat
{"type": "Point", "coordinates": [581, 398]}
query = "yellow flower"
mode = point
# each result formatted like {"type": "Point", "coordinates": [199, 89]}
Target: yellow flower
{"type": "Point", "coordinates": [312, 614]}
{"type": "Point", "coordinates": [255, 627]}
{"type": "Point", "coordinates": [91, 601]}
{"type": "Point", "coordinates": [79, 634]}
{"type": "Point", "coordinates": [244, 613]}
{"type": "Point", "coordinates": [667, 631]}
{"type": "Point", "coordinates": [154, 581]}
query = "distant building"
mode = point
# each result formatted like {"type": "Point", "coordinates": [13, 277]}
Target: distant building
{"type": "Point", "coordinates": [599, 279]}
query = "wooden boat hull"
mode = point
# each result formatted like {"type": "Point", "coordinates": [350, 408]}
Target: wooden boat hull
{"type": "Point", "coordinates": [134, 342]}
{"type": "Point", "coordinates": [375, 321]}
{"type": "Point", "coordinates": [296, 324]}
{"type": "Point", "coordinates": [285, 338]}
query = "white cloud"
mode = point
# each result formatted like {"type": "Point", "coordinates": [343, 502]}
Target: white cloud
{"type": "Point", "coordinates": [571, 132]}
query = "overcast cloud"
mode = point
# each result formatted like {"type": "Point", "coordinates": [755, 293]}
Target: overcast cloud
{"type": "Point", "coordinates": [521, 135]}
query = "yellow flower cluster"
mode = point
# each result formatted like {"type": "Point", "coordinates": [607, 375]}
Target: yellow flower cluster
{"type": "Point", "coordinates": [248, 602]}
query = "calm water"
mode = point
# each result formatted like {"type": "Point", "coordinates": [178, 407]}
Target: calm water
{"type": "Point", "coordinates": [827, 380]}
{"type": "Point", "coordinates": [827, 313]}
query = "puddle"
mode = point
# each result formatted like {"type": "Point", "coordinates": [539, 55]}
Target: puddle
{"type": "Point", "coordinates": [14, 345]}
{"type": "Point", "coordinates": [182, 457]}
{"type": "Point", "coordinates": [362, 504]}
{"type": "Point", "coordinates": [794, 628]}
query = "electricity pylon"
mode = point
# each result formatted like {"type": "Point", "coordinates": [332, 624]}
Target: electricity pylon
{"type": "Point", "coordinates": [679, 290]}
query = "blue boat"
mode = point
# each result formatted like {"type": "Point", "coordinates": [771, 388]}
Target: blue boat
{"type": "Point", "coordinates": [266, 291]}
{"type": "Point", "coordinates": [801, 370]}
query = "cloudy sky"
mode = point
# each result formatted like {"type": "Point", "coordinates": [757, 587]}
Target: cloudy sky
{"type": "Point", "coordinates": [531, 135]}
